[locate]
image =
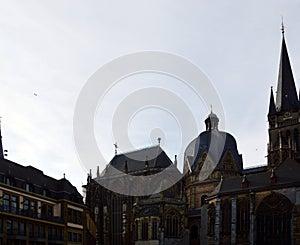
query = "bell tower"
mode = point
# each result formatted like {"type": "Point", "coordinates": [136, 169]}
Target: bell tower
{"type": "Point", "coordinates": [283, 116]}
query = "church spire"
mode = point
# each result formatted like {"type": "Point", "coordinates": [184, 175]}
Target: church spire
{"type": "Point", "coordinates": [286, 99]}
{"type": "Point", "coordinates": [272, 108]}
{"type": "Point", "coordinates": [1, 147]}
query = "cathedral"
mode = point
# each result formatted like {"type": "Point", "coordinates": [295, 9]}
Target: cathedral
{"type": "Point", "coordinates": [218, 201]}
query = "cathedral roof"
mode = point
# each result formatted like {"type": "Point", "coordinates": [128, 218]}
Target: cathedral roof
{"type": "Point", "coordinates": [151, 157]}
{"type": "Point", "coordinates": [287, 175]}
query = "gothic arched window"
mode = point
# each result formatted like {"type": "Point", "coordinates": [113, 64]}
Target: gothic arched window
{"type": "Point", "coordinates": [172, 223]}
{"type": "Point", "coordinates": [274, 220]}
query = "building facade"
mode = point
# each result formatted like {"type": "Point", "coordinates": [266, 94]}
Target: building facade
{"type": "Point", "coordinates": [36, 209]}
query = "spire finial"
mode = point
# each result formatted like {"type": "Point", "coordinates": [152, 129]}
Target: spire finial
{"type": "Point", "coordinates": [282, 25]}
{"type": "Point", "coordinates": [211, 110]}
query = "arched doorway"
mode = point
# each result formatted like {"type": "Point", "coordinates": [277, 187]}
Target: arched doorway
{"type": "Point", "coordinates": [273, 220]}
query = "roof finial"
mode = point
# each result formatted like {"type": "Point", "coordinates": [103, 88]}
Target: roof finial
{"type": "Point", "coordinates": [211, 110]}
{"type": "Point", "coordinates": [116, 148]}
{"type": "Point", "coordinates": [282, 25]}
{"type": "Point", "coordinates": [158, 140]}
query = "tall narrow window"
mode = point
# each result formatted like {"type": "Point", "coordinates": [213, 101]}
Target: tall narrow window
{"type": "Point", "coordinates": [6, 202]}
{"type": "Point", "coordinates": [144, 230]}
{"type": "Point", "coordinates": [226, 217]}
{"type": "Point", "coordinates": [9, 227]}
{"type": "Point", "coordinates": [26, 204]}
{"type": "Point", "coordinates": [14, 204]}
{"type": "Point", "coordinates": [22, 229]}
{"type": "Point", "coordinates": [154, 229]}
{"type": "Point", "coordinates": [50, 210]}
{"type": "Point", "coordinates": [211, 219]}
{"type": "Point", "coordinates": [243, 216]}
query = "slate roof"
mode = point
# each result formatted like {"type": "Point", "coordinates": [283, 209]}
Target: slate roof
{"type": "Point", "coordinates": [136, 160]}
{"type": "Point", "coordinates": [287, 175]}
{"type": "Point", "coordinates": [56, 189]}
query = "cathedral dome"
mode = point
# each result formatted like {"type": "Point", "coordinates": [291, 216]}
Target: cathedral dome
{"type": "Point", "coordinates": [213, 142]}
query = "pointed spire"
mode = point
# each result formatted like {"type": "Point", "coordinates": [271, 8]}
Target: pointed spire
{"type": "Point", "coordinates": [175, 161]}
{"type": "Point", "coordinates": [1, 147]}
{"type": "Point", "coordinates": [272, 108]}
{"type": "Point", "coordinates": [287, 98]}
{"type": "Point", "coordinates": [98, 172]}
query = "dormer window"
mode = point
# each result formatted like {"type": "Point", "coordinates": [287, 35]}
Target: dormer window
{"type": "Point", "coordinates": [28, 187]}
{"type": "Point", "coordinates": [45, 193]}
{"type": "Point", "coordinates": [8, 181]}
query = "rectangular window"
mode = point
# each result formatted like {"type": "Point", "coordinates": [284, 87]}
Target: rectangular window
{"type": "Point", "coordinates": [79, 218]}
{"type": "Point", "coordinates": [26, 204]}
{"type": "Point", "coordinates": [50, 234]}
{"type": "Point", "coordinates": [59, 234]}
{"type": "Point", "coordinates": [144, 230]}
{"type": "Point", "coordinates": [1, 225]}
{"type": "Point", "coordinates": [9, 227]}
{"type": "Point", "coordinates": [31, 230]}
{"type": "Point", "coordinates": [22, 228]}
{"type": "Point", "coordinates": [14, 204]}
{"type": "Point", "coordinates": [6, 202]}
{"type": "Point", "coordinates": [33, 206]}
{"type": "Point", "coordinates": [70, 215]}
{"type": "Point", "coordinates": [79, 238]}
{"type": "Point", "coordinates": [50, 211]}
{"type": "Point", "coordinates": [74, 237]}
{"type": "Point", "coordinates": [42, 231]}
{"type": "Point", "coordinates": [15, 227]}
{"type": "Point", "coordinates": [70, 236]}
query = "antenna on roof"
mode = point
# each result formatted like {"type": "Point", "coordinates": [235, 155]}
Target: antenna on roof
{"type": "Point", "coordinates": [116, 148]}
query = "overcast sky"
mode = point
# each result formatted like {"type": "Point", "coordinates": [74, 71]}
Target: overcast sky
{"type": "Point", "coordinates": [49, 49]}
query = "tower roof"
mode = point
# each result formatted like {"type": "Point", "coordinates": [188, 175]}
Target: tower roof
{"type": "Point", "coordinates": [286, 98]}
